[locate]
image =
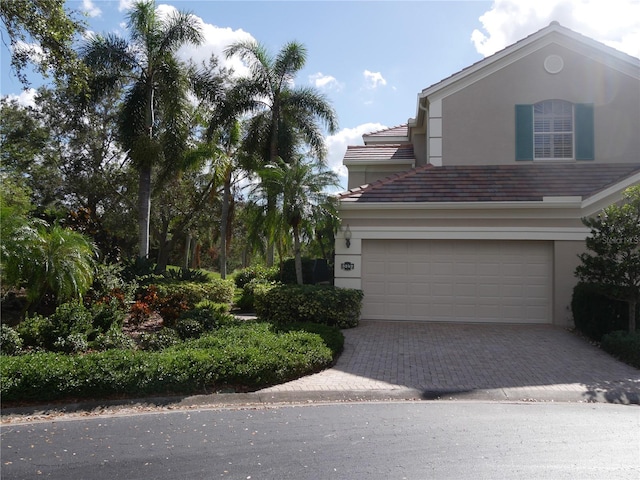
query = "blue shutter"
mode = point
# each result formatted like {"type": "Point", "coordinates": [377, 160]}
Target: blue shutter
{"type": "Point", "coordinates": [584, 131]}
{"type": "Point", "coordinates": [524, 132]}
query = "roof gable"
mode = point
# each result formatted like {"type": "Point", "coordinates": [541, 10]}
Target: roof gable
{"type": "Point", "coordinates": [384, 153]}
{"type": "Point", "coordinates": [398, 134]}
{"type": "Point", "coordinates": [553, 33]}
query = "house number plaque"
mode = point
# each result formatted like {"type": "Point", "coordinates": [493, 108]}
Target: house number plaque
{"type": "Point", "coordinates": [347, 266]}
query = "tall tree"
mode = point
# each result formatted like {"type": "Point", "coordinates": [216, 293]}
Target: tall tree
{"type": "Point", "coordinates": [152, 123]}
{"type": "Point", "coordinates": [269, 96]}
{"type": "Point", "coordinates": [301, 187]}
{"type": "Point", "coordinates": [613, 260]}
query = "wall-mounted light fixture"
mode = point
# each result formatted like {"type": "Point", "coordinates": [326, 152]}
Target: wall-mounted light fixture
{"type": "Point", "coordinates": [347, 236]}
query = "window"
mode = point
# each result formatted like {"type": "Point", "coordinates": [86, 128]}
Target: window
{"type": "Point", "coordinates": [554, 129]}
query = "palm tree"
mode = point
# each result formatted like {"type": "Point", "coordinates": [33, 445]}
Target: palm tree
{"type": "Point", "coordinates": [46, 261]}
{"type": "Point", "coordinates": [301, 185]}
{"type": "Point", "coordinates": [281, 113]}
{"type": "Point", "coordinates": [152, 122]}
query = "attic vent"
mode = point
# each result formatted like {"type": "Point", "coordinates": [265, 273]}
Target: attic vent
{"type": "Point", "coordinates": [553, 64]}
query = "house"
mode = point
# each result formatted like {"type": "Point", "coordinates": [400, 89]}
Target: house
{"type": "Point", "coordinates": [471, 212]}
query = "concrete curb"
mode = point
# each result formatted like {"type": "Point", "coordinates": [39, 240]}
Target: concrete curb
{"type": "Point", "coordinates": [262, 398]}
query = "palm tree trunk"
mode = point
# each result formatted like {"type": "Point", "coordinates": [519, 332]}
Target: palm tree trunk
{"type": "Point", "coordinates": [273, 155]}
{"type": "Point", "coordinates": [223, 224]}
{"type": "Point", "coordinates": [144, 210]}
{"type": "Point", "coordinates": [187, 251]}
{"type": "Point", "coordinates": [165, 247]}
{"type": "Point", "coordinates": [298, 256]}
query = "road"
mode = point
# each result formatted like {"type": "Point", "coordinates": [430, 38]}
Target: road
{"type": "Point", "coordinates": [421, 440]}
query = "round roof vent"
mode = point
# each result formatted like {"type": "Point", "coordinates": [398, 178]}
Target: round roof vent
{"type": "Point", "coordinates": [553, 64]}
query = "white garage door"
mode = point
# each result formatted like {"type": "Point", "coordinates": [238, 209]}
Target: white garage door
{"type": "Point", "coordinates": [457, 280]}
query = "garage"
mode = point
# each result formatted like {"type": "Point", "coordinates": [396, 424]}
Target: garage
{"type": "Point", "coordinates": [458, 280]}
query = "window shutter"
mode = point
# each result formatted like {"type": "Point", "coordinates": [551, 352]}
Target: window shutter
{"type": "Point", "coordinates": [524, 132]}
{"type": "Point", "coordinates": [584, 131]}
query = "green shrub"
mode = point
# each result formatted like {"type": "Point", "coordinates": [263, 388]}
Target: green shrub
{"type": "Point", "coordinates": [219, 291]}
{"type": "Point", "coordinates": [288, 273]}
{"type": "Point", "coordinates": [250, 355]}
{"type": "Point", "coordinates": [623, 345]}
{"type": "Point", "coordinates": [260, 272]}
{"type": "Point", "coordinates": [208, 314]}
{"type": "Point", "coordinates": [37, 332]}
{"type": "Point", "coordinates": [189, 328]}
{"type": "Point", "coordinates": [108, 283]}
{"type": "Point", "coordinates": [10, 341]}
{"type": "Point", "coordinates": [218, 308]}
{"type": "Point", "coordinates": [68, 329]}
{"type": "Point", "coordinates": [310, 303]}
{"type": "Point", "coordinates": [112, 339]}
{"type": "Point", "coordinates": [73, 343]}
{"type": "Point", "coordinates": [106, 314]}
{"type": "Point", "coordinates": [139, 270]}
{"type": "Point", "coordinates": [187, 275]}
{"type": "Point", "coordinates": [163, 338]}
{"type": "Point", "coordinates": [332, 336]}
{"type": "Point", "coordinates": [596, 315]}
{"type": "Point", "coordinates": [246, 302]}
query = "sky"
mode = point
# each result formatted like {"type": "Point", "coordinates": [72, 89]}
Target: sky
{"type": "Point", "coordinates": [369, 58]}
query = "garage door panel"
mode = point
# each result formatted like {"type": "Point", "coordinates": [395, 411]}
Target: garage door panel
{"type": "Point", "coordinates": [374, 267]}
{"type": "Point", "coordinates": [457, 280]}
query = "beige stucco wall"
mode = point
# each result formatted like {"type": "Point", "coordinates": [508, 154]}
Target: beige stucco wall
{"type": "Point", "coordinates": [478, 122]}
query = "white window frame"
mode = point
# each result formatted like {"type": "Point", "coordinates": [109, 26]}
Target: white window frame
{"type": "Point", "coordinates": [549, 124]}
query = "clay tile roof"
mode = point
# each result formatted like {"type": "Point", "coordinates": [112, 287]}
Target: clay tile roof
{"type": "Point", "coordinates": [397, 131]}
{"type": "Point", "coordinates": [493, 183]}
{"type": "Point", "coordinates": [380, 152]}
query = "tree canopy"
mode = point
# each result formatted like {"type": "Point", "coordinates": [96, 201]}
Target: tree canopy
{"type": "Point", "coordinates": [42, 33]}
{"type": "Point", "coordinates": [613, 260]}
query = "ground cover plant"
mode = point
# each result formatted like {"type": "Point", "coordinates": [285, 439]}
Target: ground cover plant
{"type": "Point", "coordinates": [138, 334]}
{"type": "Point", "coordinates": [242, 355]}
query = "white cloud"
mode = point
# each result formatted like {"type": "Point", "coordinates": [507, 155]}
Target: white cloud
{"type": "Point", "coordinates": [337, 146]}
{"type": "Point", "coordinates": [32, 50]}
{"type": "Point", "coordinates": [615, 23]}
{"type": "Point", "coordinates": [216, 40]}
{"type": "Point", "coordinates": [90, 9]}
{"type": "Point", "coordinates": [27, 98]}
{"type": "Point", "coordinates": [125, 5]}
{"type": "Point", "coordinates": [374, 79]}
{"type": "Point", "coordinates": [320, 80]}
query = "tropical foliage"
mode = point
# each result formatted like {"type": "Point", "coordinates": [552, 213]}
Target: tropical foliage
{"type": "Point", "coordinates": [153, 119]}
{"type": "Point", "coordinates": [613, 260]}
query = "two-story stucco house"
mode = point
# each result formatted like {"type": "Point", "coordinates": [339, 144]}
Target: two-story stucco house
{"type": "Point", "coordinates": [471, 212]}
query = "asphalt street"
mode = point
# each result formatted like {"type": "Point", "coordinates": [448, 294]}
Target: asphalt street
{"type": "Point", "coordinates": [378, 440]}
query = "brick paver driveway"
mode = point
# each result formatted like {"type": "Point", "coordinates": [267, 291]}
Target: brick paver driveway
{"type": "Point", "coordinates": [438, 357]}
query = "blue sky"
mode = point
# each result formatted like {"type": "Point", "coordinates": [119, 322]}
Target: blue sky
{"type": "Point", "coordinates": [371, 58]}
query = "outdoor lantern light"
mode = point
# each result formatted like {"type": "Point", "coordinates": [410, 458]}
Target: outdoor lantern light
{"type": "Point", "coordinates": [347, 236]}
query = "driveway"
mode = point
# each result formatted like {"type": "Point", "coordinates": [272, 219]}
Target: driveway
{"type": "Point", "coordinates": [437, 360]}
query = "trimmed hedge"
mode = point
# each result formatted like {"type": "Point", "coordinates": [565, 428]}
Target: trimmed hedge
{"type": "Point", "coordinates": [248, 355]}
{"type": "Point", "coordinates": [244, 276]}
{"type": "Point", "coordinates": [218, 291]}
{"type": "Point", "coordinates": [323, 304]}
{"type": "Point", "coordinates": [623, 345]}
{"type": "Point", "coordinates": [596, 315]}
